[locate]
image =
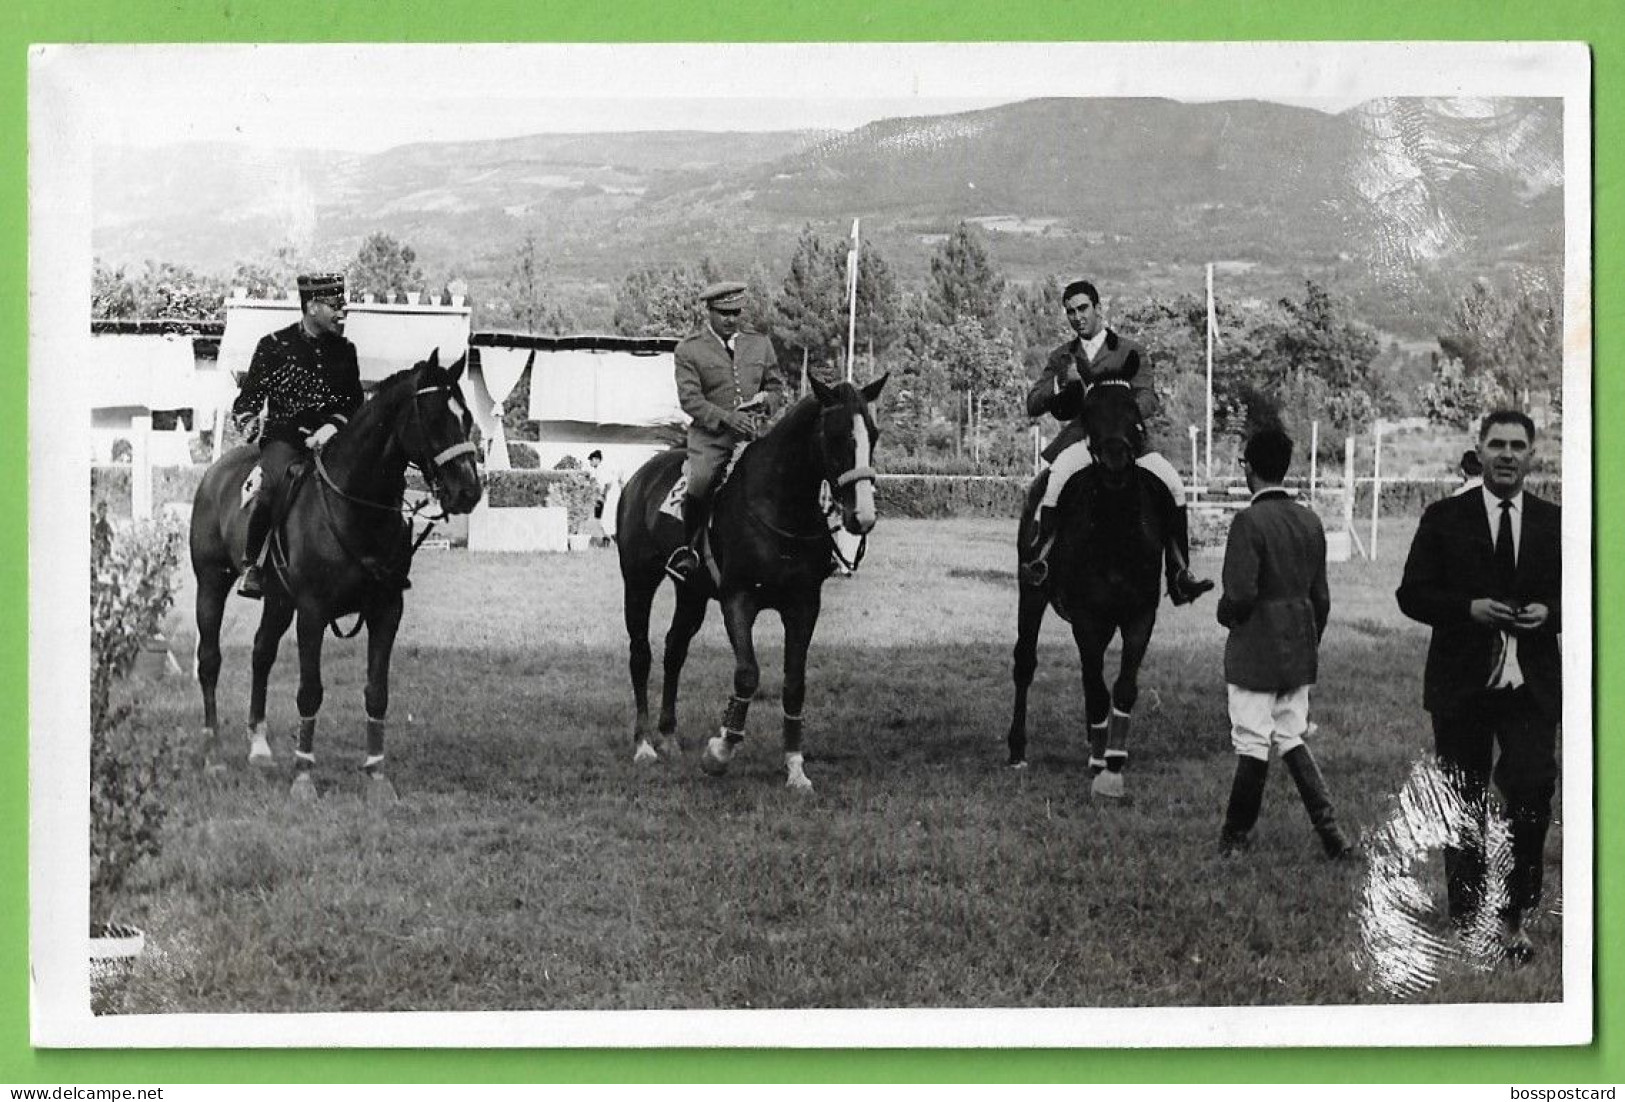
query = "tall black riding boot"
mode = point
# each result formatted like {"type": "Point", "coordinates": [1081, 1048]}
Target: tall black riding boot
{"type": "Point", "coordinates": [252, 585]}
{"type": "Point", "coordinates": [686, 558]}
{"type": "Point", "coordinates": [1317, 802]}
{"type": "Point", "coordinates": [1183, 586]}
{"type": "Point", "coordinates": [1035, 570]}
{"type": "Point", "coordinates": [1246, 797]}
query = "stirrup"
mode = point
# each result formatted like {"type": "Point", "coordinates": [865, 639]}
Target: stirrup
{"type": "Point", "coordinates": [1185, 587]}
{"type": "Point", "coordinates": [1035, 572]}
{"type": "Point", "coordinates": [682, 563]}
{"type": "Point", "coordinates": [252, 585]}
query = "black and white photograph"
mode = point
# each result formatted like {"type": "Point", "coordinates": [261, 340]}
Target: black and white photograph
{"type": "Point", "coordinates": [828, 545]}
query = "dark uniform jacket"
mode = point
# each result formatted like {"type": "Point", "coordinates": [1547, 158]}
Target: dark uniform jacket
{"type": "Point", "coordinates": [1059, 391]}
{"type": "Point", "coordinates": [1452, 564]}
{"type": "Point", "coordinates": [308, 382]}
{"type": "Point", "coordinates": [711, 383]}
{"type": "Point", "coordinates": [1276, 601]}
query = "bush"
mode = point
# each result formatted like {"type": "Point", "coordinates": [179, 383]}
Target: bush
{"type": "Point", "coordinates": [521, 458]}
{"type": "Point", "coordinates": [132, 576]}
{"type": "Point", "coordinates": [928, 496]}
{"type": "Point", "coordinates": [574, 491]}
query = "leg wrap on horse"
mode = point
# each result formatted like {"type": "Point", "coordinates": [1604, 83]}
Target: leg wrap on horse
{"type": "Point", "coordinates": [376, 729]}
{"type": "Point", "coordinates": [1117, 741]}
{"type": "Point", "coordinates": [733, 718]}
{"type": "Point", "coordinates": [307, 736]}
{"type": "Point", "coordinates": [1097, 746]}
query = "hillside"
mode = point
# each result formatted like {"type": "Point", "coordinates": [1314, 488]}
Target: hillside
{"type": "Point", "coordinates": [1398, 203]}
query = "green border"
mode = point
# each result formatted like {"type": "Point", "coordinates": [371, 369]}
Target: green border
{"type": "Point", "coordinates": [34, 21]}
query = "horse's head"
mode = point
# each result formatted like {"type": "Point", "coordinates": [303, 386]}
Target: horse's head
{"type": "Point", "coordinates": [845, 440]}
{"type": "Point", "coordinates": [434, 435]}
{"type": "Point", "coordinates": [1111, 418]}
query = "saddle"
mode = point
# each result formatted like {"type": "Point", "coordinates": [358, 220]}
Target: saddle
{"type": "Point", "coordinates": [672, 506]}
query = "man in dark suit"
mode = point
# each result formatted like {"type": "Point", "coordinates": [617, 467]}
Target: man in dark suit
{"type": "Point", "coordinates": [1485, 571]}
{"type": "Point", "coordinates": [1275, 603]}
{"type": "Point", "coordinates": [726, 379]}
{"type": "Point", "coordinates": [303, 384]}
{"type": "Point", "coordinates": [1097, 353]}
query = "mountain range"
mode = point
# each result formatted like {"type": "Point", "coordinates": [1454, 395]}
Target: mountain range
{"type": "Point", "coordinates": [1398, 203]}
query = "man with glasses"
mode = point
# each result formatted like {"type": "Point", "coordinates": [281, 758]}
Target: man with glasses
{"type": "Point", "coordinates": [726, 378]}
{"type": "Point", "coordinates": [302, 385]}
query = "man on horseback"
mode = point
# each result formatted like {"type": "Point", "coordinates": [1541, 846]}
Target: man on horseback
{"type": "Point", "coordinates": [726, 379]}
{"type": "Point", "coordinates": [1095, 354]}
{"type": "Point", "coordinates": [302, 385]}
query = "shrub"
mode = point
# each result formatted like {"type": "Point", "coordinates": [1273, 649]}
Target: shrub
{"type": "Point", "coordinates": [132, 576]}
{"type": "Point", "coordinates": [575, 491]}
{"type": "Point", "coordinates": [928, 496]}
{"type": "Point", "coordinates": [521, 458]}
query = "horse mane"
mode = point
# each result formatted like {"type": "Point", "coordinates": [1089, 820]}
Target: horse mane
{"type": "Point", "coordinates": [382, 399]}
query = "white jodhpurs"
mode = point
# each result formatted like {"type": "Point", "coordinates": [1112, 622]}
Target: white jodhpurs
{"type": "Point", "coordinates": [1076, 457]}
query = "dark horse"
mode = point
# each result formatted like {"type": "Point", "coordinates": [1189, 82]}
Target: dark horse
{"type": "Point", "coordinates": [1107, 557]}
{"type": "Point", "coordinates": [771, 547]}
{"type": "Point", "coordinates": [340, 546]}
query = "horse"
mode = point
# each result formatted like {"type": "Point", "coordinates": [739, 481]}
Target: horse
{"type": "Point", "coordinates": [1115, 517]}
{"type": "Point", "coordinates": [340, 546]}
{"type": "Point", "coordinates": [771, 548]}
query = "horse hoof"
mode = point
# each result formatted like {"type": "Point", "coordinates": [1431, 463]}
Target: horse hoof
{"type": "Point", "coordinates": [1019, 764]}
{"type": "Point", "coordinates": [380, 791]}
{"type": "Point", "coordinates": [801, 786]}
{"type": "Point", "coordinates": [1108, 786]}
{"type": "Point", "coordinates": [714, 764]}
{"type": "Point", "coordinates": [214, 769]}
{"type": "Point", "coordinates": [645, 754]}
{"type": "Point", "coordinates": [303, 790]}
{"type": "Point", "coordinates": [259, 753]}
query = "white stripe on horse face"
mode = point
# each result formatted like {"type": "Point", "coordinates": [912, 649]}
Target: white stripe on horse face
{"type": "Point", "coordinates": [863, 492]}
{"type": "Point", "coordinates": [456, 408]}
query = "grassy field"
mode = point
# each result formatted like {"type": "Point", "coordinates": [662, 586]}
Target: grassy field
{"type": "Point", "coordinates": [528, 865]}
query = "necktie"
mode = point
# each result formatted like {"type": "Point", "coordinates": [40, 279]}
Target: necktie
{"type": "Point", "coordinates": [1506, 561]}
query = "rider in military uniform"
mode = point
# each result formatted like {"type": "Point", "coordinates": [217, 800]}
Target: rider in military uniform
{"type": "Point", "coordinates": [302, 385]}
{"type": "Point", "coordinates": [726, 379]}
{"type": "Point", "coordinates": [1098, 353]}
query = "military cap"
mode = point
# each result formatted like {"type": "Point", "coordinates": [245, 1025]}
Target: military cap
{"type": "Point", "coordinates": [321, 285]}
{"type": "Point", "coordinates": [726, 295]}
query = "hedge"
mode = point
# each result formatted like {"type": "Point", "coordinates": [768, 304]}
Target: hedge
{"type": "Point", "coordinates": [921, 496]}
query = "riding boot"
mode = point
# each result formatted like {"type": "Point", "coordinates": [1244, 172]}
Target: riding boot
{"type": "Point", "coordinates": [1246, 798]}
{"type": "Point", "coordinates": [1317, 802]}
{"type": "Point", "coordinates": [1035, 571]}
{"type": "Point", "coordinates": [252, 585]}
{"type": "Point", "coordinates": [1183, 586]}
{"type": "Point", "coordinates": [686, 558]}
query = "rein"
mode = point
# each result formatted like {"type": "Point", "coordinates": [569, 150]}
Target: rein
{"type": "Point", "coordinates": [395, 567]}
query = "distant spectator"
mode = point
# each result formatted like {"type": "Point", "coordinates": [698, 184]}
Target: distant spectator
{"type": "Point", "coordinates": [1472, 472]}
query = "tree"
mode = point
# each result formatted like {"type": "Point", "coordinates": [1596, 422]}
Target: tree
{"type": "Point", "coordinates": [984, 368]}
{"type": "Point", "coordinates": [112, 294]}
{"type": "Point", "coordinates": [526, 300]}
{"type": "Point", "coordinates": [963, 282]}
{"type": "Point", "coordinates": [810, 311]}
{"type": "Point", "coordinates": [274, 277]}
{"type": "Point", "coordinates": [661, 301]}
{"type": "Point", "coordinates": [1509, 342]}
{"type": "Point", "coordinates": [384, 267]}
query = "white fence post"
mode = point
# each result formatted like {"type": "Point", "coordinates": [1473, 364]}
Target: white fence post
{"type": "Point", "coordinates": [1195, 470]}
{"type": "Point", "coordinates": [1314, 458]}
{"type": "Point", "coordinates": [141, 467]}
{"type": "Point", "coordinates": [1376, 484]}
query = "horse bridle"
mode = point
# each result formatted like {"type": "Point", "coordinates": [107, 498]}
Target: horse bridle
{"type": "Point", "coordinates": [430, 475]}
{"type": "Point", "coordinates": [832, 515]}
{"type": "Point", "coordinates": [1088, 387]}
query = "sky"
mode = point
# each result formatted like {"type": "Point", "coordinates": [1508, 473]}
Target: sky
{"type": "Point", "coordinates": [368, 98]}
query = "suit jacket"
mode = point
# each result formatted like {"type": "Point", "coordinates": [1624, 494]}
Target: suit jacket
{"type": "Point", "coordinates": [302, 382]}
{"type": "Point", "coordinates": [1275, 600]}
{"type": "Point", "coordinates": [1451, 564]}
{"type": "Point", "coordinates": [711, 383]}
{"type": "Point", "coordinates": [1059, 390]}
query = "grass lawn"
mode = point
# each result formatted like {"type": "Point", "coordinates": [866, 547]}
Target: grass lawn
{"type": "Point", "coordinates": [528, 865]}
